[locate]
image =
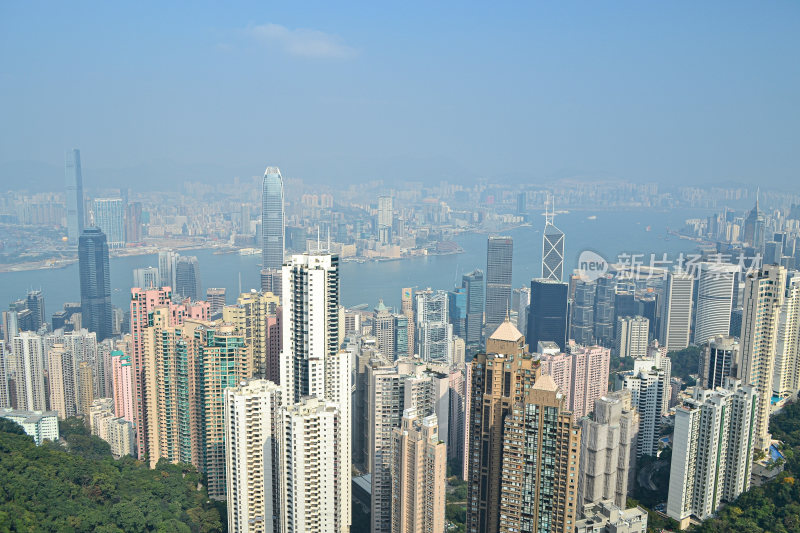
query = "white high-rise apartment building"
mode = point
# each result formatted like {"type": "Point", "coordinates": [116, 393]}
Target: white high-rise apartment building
{"type": "Point", "coordinates": [252, 418]}
{"type": "Point", "coordinates": [434, 331]}
{"type": "Point", "coordinates": [763, 299]}
{"type": "Point", "coordinates": [385, 211]}
{"type": "Point", "coordinates": [712, 450]}
{"type": "Point", "coordinates": [676, 315]}
{"type": "Point", "coordinates": [632, 336]}
{"type": "Point", "coordinates": [29, 372]}
{"type": "Point", "coordinates": [313, 366]}
{"type": "Point", "coordinates": [5, 400]}
{"type": "Point", "coordinates": [109, 216]}
{"type": "Point", "coordinates": [657, 359]}
{"type": "Point", "coordinates": [608, 449]}
{"type": "Point", "coordinates": [786, 376]}
{"type": "Point", "coordinates": [313, 476]}
{"type": "Point", "coordinates": [648, 392]}
{"type": "Point", "coordinates": [714, 300]}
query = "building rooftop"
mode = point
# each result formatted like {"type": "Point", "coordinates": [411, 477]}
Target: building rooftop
{"type": "Point", "coordinates": [506, 332]}
{"type": "Point", "coordinates": [545, 382]}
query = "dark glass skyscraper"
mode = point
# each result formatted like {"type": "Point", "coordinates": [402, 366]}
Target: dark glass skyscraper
{"type": "Point", "coordinates": [35, 303]}
{"type": "Point", "coordinates": [187, 278]}
{"type": "Point", "coordinates": [74, 184]}
{"type": "Point", "coordinates": [499, 253]}
{"type": "Point", "coordinates": [473, 285]}
{"type": "Point", "coordinates": [604, 311]}
{"type": "Point", "coordinates": [582, 327]}
{"type": "Point", "coordinates": [547, 317]}
{"type": "Point", "coordinates": [95, 282]}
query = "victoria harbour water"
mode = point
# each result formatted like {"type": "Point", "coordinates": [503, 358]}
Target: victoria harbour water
{"type": "Point", "coordinates": [608, 233]}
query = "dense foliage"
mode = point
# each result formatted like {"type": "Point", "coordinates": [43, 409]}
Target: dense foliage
{"type": "Point", "coordinates": [46, 488]}
{"type": "Point", "coordinates": [774, 507]}
{"type": "Point", "coordinates": [685, 363]}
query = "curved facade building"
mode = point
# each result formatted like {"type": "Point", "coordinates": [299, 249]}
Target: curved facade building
{"type": "Point", "coordinates": [272, 219]}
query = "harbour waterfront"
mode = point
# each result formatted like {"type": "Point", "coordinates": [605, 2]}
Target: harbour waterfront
{"type": "Point", "coordinates": [608, 233]}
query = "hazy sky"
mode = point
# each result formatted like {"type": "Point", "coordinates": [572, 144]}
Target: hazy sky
{"type": "Point", "coordinates": [675, 92]}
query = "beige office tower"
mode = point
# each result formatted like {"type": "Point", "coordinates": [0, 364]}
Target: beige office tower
{"type": "Point", "coordinates": [499, 379]}
{"type": "Point", "coordinates": [255, 315]}
{"type": "Point", "coordinates": [252, 416]}
{"type": "Point", "coordinates": [608, 450]}
{"type": "Point", "coordinates": [763, 298]}
{"type": "Point", "coordinates": [419, 469]}
{"type": "Point", "coordinates": [84, 388]}
{"type": "Point", "coordinates": [61, 381]}
{"type": "Point", "coordinates": [540, 463]}
{"type": "Point", "coordinates": [676, 317]}
{"type": "Point", "coordinates": [312, 469]}
{"type": "Point", "coordinates": [786, 376]}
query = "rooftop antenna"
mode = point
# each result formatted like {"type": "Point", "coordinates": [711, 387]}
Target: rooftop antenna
{"type": "Point", "coordinates": [548, 214]}
{"type": "Point", "coordinates": [240, 282]}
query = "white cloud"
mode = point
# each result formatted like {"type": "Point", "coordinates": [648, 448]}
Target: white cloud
{"type": "Point", "coordinates": [302, 42]}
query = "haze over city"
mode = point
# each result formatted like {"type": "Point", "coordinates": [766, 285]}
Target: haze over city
{"type": "Point", "coordinates": [153, 94]}
{"type": "Point", "coordinates": [400, 268]}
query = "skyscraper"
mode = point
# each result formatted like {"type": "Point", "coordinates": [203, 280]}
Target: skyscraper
{"type": "Point", "coordinates": [123, 385]}
{"type": "Point", "coordinates": [95, 278]}
{"type": "Point", "coordinates": [648, 395]}
{"type": "Point", "coordinates": [133, 222]}
{"type": "Point", "coordinates": [604, 311]}
{"type": "Point", "coordinates": [385, 218]}
{"type": "Point", "coordinates": [312, 366]}
{"type": "Point", "coordinates": [216, 299]}
{"type": "Point", "coordinates": [315, 477]}
{"type": "Point", "coordinates": [187, 278]}
{"type": "Point", "coordinates": [146, 278]}
{"type": "Point", "coordinates": [714, 301]}
{"type": "Point", "coordinates": [272, 220]}
{"type": "Point", "coordinates": [547, 317]}
{"type": "Point", "coordinates": [5, 399]}
{"type": "Point", "coordinates": [473, 285]}
{"type": "Point", "coordinates": [540, 446]}
{"type": "Point", "coordinates": [552, 250]}
{"type": "Point", "coordinates": [29, 371]}
{"type": "Point", "coordinates": [763, 298]}
{"type": "Point", "coordinates": [608, 449]}
{"type": "Point", "coordinates": [434, 331]}
{"type": "Point", "coordinates": [74, 203]}
{"type": "Point", "coordinates": [712, 451]}
{"type": "Point", "coordinates": [34, 302]}
{"type": "Point", "coordinates": [719, 359]}
{"type": "Point", "coordinates": [419, 469]}
{"type": "Point", "coordinates": [109, 216]}
{"type": "Point", "coordinates": [252, 420]}
{"type": "Point", "coordinates": [582, 323]}
{"type": "Point", "coordinates": [167, 260]}
{"type": "Point", "coordinates": [257, 315]}
{"type": "Point", "coordinates": [786, 376]}
{"type": "Point", "coordinates": [61, 381]}
{"type": "Point", "coordinates": [499, 256]}
{"type": "Point", "coordinates": [632, 336]}
{"type": "Point", "coordinates": [676, 316]}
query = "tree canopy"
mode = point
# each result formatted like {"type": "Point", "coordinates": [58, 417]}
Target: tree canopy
{"type": "Point", "coordinates": [47, 488]}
